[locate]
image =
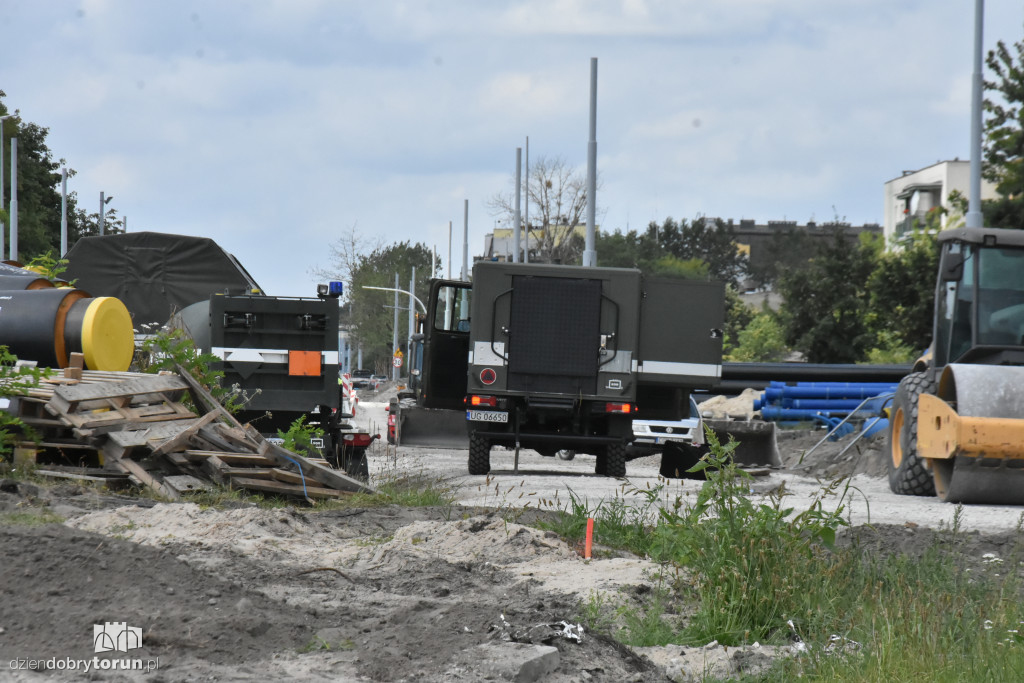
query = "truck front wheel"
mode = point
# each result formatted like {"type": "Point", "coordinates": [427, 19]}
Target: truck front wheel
{"type": "Point", "coordinates": [479, 455]}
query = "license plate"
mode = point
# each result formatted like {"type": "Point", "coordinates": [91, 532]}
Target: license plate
{"type": "Point", "coordinates": [486, 416]}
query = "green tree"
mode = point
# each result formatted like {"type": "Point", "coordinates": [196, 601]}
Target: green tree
{"type": "Point", "coordinates": [370, 312]}
{"type": "Point", "coordinates": [825, 308]}
{"type": "Point", "coordinates": [711, 241]}
{"type": "Point", "coordinates": [762, 340]}
{"type": "Point", "coordinates": [901, 288]}
{"type": "Point", "coordinates": [789, 247]}
{"type": "Point", "coordinates": [1004, 136]}
{"type": "Point", "coordinates": [39, 193]}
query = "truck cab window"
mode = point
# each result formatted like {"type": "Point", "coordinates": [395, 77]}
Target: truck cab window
{"type": "Point", "coordinates": [452, 312]}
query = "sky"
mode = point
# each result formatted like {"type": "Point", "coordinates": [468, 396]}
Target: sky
{"type": "Point", "coordinates": [280, 127]}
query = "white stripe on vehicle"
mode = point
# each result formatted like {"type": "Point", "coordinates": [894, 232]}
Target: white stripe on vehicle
{"type": "Point", "coordinates": [660, 367]}
{"type": "Point", "coordinates": [246, 355]}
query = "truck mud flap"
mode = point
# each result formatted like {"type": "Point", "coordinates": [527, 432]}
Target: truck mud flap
{"type": "Point", "coordinates": [757, 443]}
{"type": "Point", "coordinates": [432, 428]}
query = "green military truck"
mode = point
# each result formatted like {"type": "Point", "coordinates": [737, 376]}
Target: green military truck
{"type": "Point", "coordinates": [552, 358]}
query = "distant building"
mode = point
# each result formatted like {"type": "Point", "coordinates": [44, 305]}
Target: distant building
{"type": "Point", "coordinates": [754, 239]}
{"type": "Point", "coordinates": [909, 198]}
{"type": "Point", "coordinates": [498, 245]}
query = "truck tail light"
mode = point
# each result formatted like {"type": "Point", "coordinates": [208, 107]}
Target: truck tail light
{"type": "Point", "coordinates": [623, 408]}
{"type": "Point", "coordinates": [491, 401]}
{"type": "Point", "coordinates": [357, 439]}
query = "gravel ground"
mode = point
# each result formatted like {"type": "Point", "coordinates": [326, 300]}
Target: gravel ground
{"type": "Point", "coordinates": [392, 594]}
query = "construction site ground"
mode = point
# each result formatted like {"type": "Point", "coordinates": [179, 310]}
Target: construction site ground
{"type": "Point", "coordinates": [465, 592]}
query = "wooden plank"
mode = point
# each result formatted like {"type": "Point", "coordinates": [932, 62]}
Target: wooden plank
{"type": "Point", "coordinates": [281, 488]}
{"type": "Point", "coordinates": [112, 453]}
{"type": "Point", "coordinates": [186, 483]}
{"type": "Point", "coordinates": [213, 437]}
{"type": "Point", "coordinates": [176, 443]}
{"type": "Point", "coordinates": [254, 472]}
{"type": "Point", "coordinates": [214, 467]}
{"type": "Point", "coordinates": [237, 436]}
{"type": "Point", "coordinates": [326, 476]}
{"type": "Point", "coordinates": [54, 474]}
{"type": "Point", "coordinates": [146, 437]}
{"type": "Point", "coordinates": [230, 458]}
{"type": "Point", "coordinates": [140, 385]}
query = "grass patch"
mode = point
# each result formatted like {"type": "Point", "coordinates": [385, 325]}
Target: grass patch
{"type": "Point", "coordinates": [762, 571]}
{"type": "Point", "coordinates": [33, 517]}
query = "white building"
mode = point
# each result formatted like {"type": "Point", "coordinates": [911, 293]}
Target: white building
{"type": "Point", "coordinates": [910, 197]}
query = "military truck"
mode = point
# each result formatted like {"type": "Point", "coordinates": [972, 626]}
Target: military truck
{"type": "Point", "coordinates": [552, 357]}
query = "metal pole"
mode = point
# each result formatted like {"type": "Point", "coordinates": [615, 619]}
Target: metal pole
{"type": "Point", "coordinates": [124, 223]}
{"type": "Point", "coordinates": [63, 211]}
{"type": "Point", "coordinates": [589, 253]}
{"type": "Point", "coordinates": [412, 316]}
{"type": "Point", "coordinates": [14, 199]}
{"type": "Point", "coordinates": [526, 207]}
{"type": "Point", "coordinates": [516, 217]}
{"type": "Point", "coordinates": [449, 250]}
{"type": "Point", "coordinates": [974, 219]}
{"type": "Point", "coordinates": [3, 203]}
{"type": "Point", "coordinates": [394, 333]}
{"type": "Point", "coordinates": [465, 241]}
{"type": "Point", "coordinates": [102, 204]}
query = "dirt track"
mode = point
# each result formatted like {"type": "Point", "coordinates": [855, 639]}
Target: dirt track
{"type": "Point", "coordinates": [389, 594]}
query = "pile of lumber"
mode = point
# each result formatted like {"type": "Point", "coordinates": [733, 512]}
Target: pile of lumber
{"type": "Point", "coordinates": [136, 427]}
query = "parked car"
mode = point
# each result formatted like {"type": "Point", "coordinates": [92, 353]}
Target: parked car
{"type": "Point", "coordinates": [361, 379]}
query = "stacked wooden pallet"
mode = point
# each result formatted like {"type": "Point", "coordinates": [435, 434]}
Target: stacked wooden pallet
{"type": "Point", "coordinates": [137, 426]}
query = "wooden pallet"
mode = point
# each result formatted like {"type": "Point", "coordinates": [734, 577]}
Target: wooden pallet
{"type": "Point", "coordinates": [144, 432]}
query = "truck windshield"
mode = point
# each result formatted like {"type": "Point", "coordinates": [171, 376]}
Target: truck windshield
{"type": "Point", "coordinates": [1000, 296]}
{"type": "Point", "coordinates": [452, 312]}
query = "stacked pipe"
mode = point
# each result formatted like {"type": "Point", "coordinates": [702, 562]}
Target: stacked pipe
{"type": "Point", "coordinates": [46, 323]}
{"type": "Point", "coordinates": [809, 401]}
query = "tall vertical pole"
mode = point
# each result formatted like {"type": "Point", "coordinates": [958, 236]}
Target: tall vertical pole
{"type": "Point", "coordinates": [412, 317]}
{"type": "Point", "coordinates": [124, 224]}
{"type": "Point", "coordinates": [102, 204]}
{"type": "Point", "coordinates": [449, 250]}
{"type": "Point", "coordinates": [394, 333]}
{"type": "Point", "coordinates": [63, 211]}
{"type": "Point", "coordinates": [516, 217]}
{"type": "Point", "coordinates": [3, 203]}
{"type": "Point", "coordinates": [14, 199]}
{"type": "Point", "coordinates": [526, 206]}
{"type": "Point", "coordinates": [974, 219]}
{"type": "Point", "coordinates": [465, 241]}
{"type": "Point", "coordinates": [589, 252]}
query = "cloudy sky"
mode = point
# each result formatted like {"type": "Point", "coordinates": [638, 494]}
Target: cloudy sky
{"type": "Point", "coordinates": [275, 126]}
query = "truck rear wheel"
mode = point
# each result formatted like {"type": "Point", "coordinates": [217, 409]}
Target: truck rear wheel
{"type": "Point", "coordinates": [612, 463]}
{"type": "Point", "coordinates": [479, 455]}
{"type": "Point", "coordinates": [907, 472]}
{"type": "Point", "coordinates": [353, 461]}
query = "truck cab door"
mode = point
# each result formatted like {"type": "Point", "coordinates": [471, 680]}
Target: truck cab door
{"type": "Point", "coordinates": [445, 346]}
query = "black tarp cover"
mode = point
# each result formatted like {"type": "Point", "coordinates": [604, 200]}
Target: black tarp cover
{"type": "Point", "coordinates": [155, 274]}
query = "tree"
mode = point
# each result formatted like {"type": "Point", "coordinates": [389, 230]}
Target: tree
{"type": "Point", "coordinates": [39, 193]}
{"type": "Point", "coordinates": [557, 195]}
{"type": "Point", "coordinates": [1004, 136]}
{"type": "Point", "coordinates": [370, 312]}
{"type": "Point", "coordinates": [825, 308]}
{"type": "Point", "coordinates": [711, 241]}
{"type": "Point", "coordinates": [788, 248]}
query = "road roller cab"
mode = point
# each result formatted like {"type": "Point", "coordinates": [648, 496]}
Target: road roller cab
{"type": "Point", "coordinates": [957, 427]}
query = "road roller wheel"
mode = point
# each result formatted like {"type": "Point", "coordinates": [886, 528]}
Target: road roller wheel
{"type": "Point", "coordinates": [907, 472]}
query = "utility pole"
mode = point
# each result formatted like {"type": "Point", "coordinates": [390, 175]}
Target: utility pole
{"type": "Point", "coordinates": [449, 250]}
{"type": "Point", "coordinates": [974, 219]}
{"type": "Point", "coordinates": [3, 202]}
{"type": "Point", "coordinates": [63, 211]}
{"type": "Point", "coordinates": [516, 216]}
{"type": "Point", "coordinates": [394, 334]}
{"type": "Point", "coordinates": [589, 252]}
{"type": "Point", "coordinates": [412, 320]}
{"type": "Point", "coordinates": [465, 241]}
{"type": "Point", "coordinates": [526, 207]}
{"type": "Point", "coordinates": [14, 199]}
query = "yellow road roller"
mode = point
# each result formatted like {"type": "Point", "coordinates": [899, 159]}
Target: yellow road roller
{"type": "Point", "coordinates": [957, 422]}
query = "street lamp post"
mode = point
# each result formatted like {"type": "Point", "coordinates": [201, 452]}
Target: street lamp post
{"type": "Point", "coordinates": [3, 202]}
{"type": "Point", "coordinates": [103, 204]}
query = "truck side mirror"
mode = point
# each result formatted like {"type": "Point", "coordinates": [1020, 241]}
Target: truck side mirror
{"type": "Point", "coordinates": [952, 269]}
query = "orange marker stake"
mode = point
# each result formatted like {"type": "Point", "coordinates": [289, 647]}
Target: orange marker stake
{"type": "Point", "coordinates": [590, 537]}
